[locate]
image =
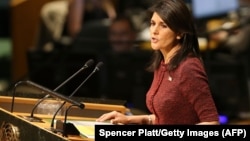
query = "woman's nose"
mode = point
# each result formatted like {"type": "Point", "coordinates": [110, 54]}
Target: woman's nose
{"type": "Point", "coordinates": [155, 30]}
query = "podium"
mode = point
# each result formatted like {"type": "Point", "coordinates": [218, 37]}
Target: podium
{"type": "Point", "coordinates": [20, 129]}
{"type": "Point", "coordinates": [14, 128]}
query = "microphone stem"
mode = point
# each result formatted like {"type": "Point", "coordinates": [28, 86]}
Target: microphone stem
{"type": "Point", "coordinates": [14, 93]}
{"type": "Point", "coordinates": [58, 87]}
{"type": "Point", "coordinates": [40, 100]}
{"type": "Point", "coordinates": [81, 84]}
{"type": "Point", "coordinates": [65, 120]}
{"type": "Point", "coordinates": [54, 116]}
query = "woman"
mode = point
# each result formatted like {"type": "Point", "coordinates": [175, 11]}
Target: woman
{"type": "Point", "coordinates": [179, 93]}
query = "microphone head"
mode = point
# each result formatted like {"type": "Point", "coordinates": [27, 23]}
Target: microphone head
{"type": "Point", "coordinates": [81, 106]}
{"type": "Point", "coordinates": [98, 66]}
{"type": "Point", "coordinates": [89, 63]}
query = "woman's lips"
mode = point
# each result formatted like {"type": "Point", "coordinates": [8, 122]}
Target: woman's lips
{"type": "Point", "coordinates": [154, 40]}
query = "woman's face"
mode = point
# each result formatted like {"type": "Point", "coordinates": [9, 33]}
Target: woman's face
{"type": "Point", "coordinates": [162, 37]}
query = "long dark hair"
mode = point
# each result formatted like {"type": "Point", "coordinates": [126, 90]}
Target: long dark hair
{"type": "Point", "coordinates": [179, 19]}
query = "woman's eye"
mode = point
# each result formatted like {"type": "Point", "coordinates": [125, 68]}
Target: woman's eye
{"type": "Point", "coordinates": [152, 23]}
{"type": "Point", "coordinates": [164, 25]}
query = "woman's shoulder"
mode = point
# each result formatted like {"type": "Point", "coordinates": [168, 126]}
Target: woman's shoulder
{"type": "Point", "coordinates": [191, 63]}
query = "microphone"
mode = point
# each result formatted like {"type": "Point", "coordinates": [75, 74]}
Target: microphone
{"type": "Point", "coordinates": [68, 127]}
{"type": "Point", "coordinates": [55, 94]}
{"type": "Point", "coordinates": [89, 63]}
{"type": "Point", "coordinates": [86, 65]}
{"type": "Point", "coordinates": [97, 68]}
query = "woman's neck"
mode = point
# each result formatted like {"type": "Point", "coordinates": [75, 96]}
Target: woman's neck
{"type": "Point", "coordinates": [168, 54]}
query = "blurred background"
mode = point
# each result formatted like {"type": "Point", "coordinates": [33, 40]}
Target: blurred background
{"type": "Point", "coordinates": [46, 41]}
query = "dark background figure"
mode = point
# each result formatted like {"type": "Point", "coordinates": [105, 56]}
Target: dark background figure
{"type": "Point", "coordinates": [62, 20]}
{"type": "Point", "coordinates": [126, 76]}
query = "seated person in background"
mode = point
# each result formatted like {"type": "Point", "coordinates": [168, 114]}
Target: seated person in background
{"type": "Point", "coordinates": [122, 35]}
{"type": "Point", "coordinates": [124, 62]}
{"type": "Point", "coordinates": [68, 17]}
{"type": "Point", "coordinates": [232, 41]}
{"type": "Point", "coordinates": [82, 11]}
{"type": "Point", "coordinates": [51, 26]}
